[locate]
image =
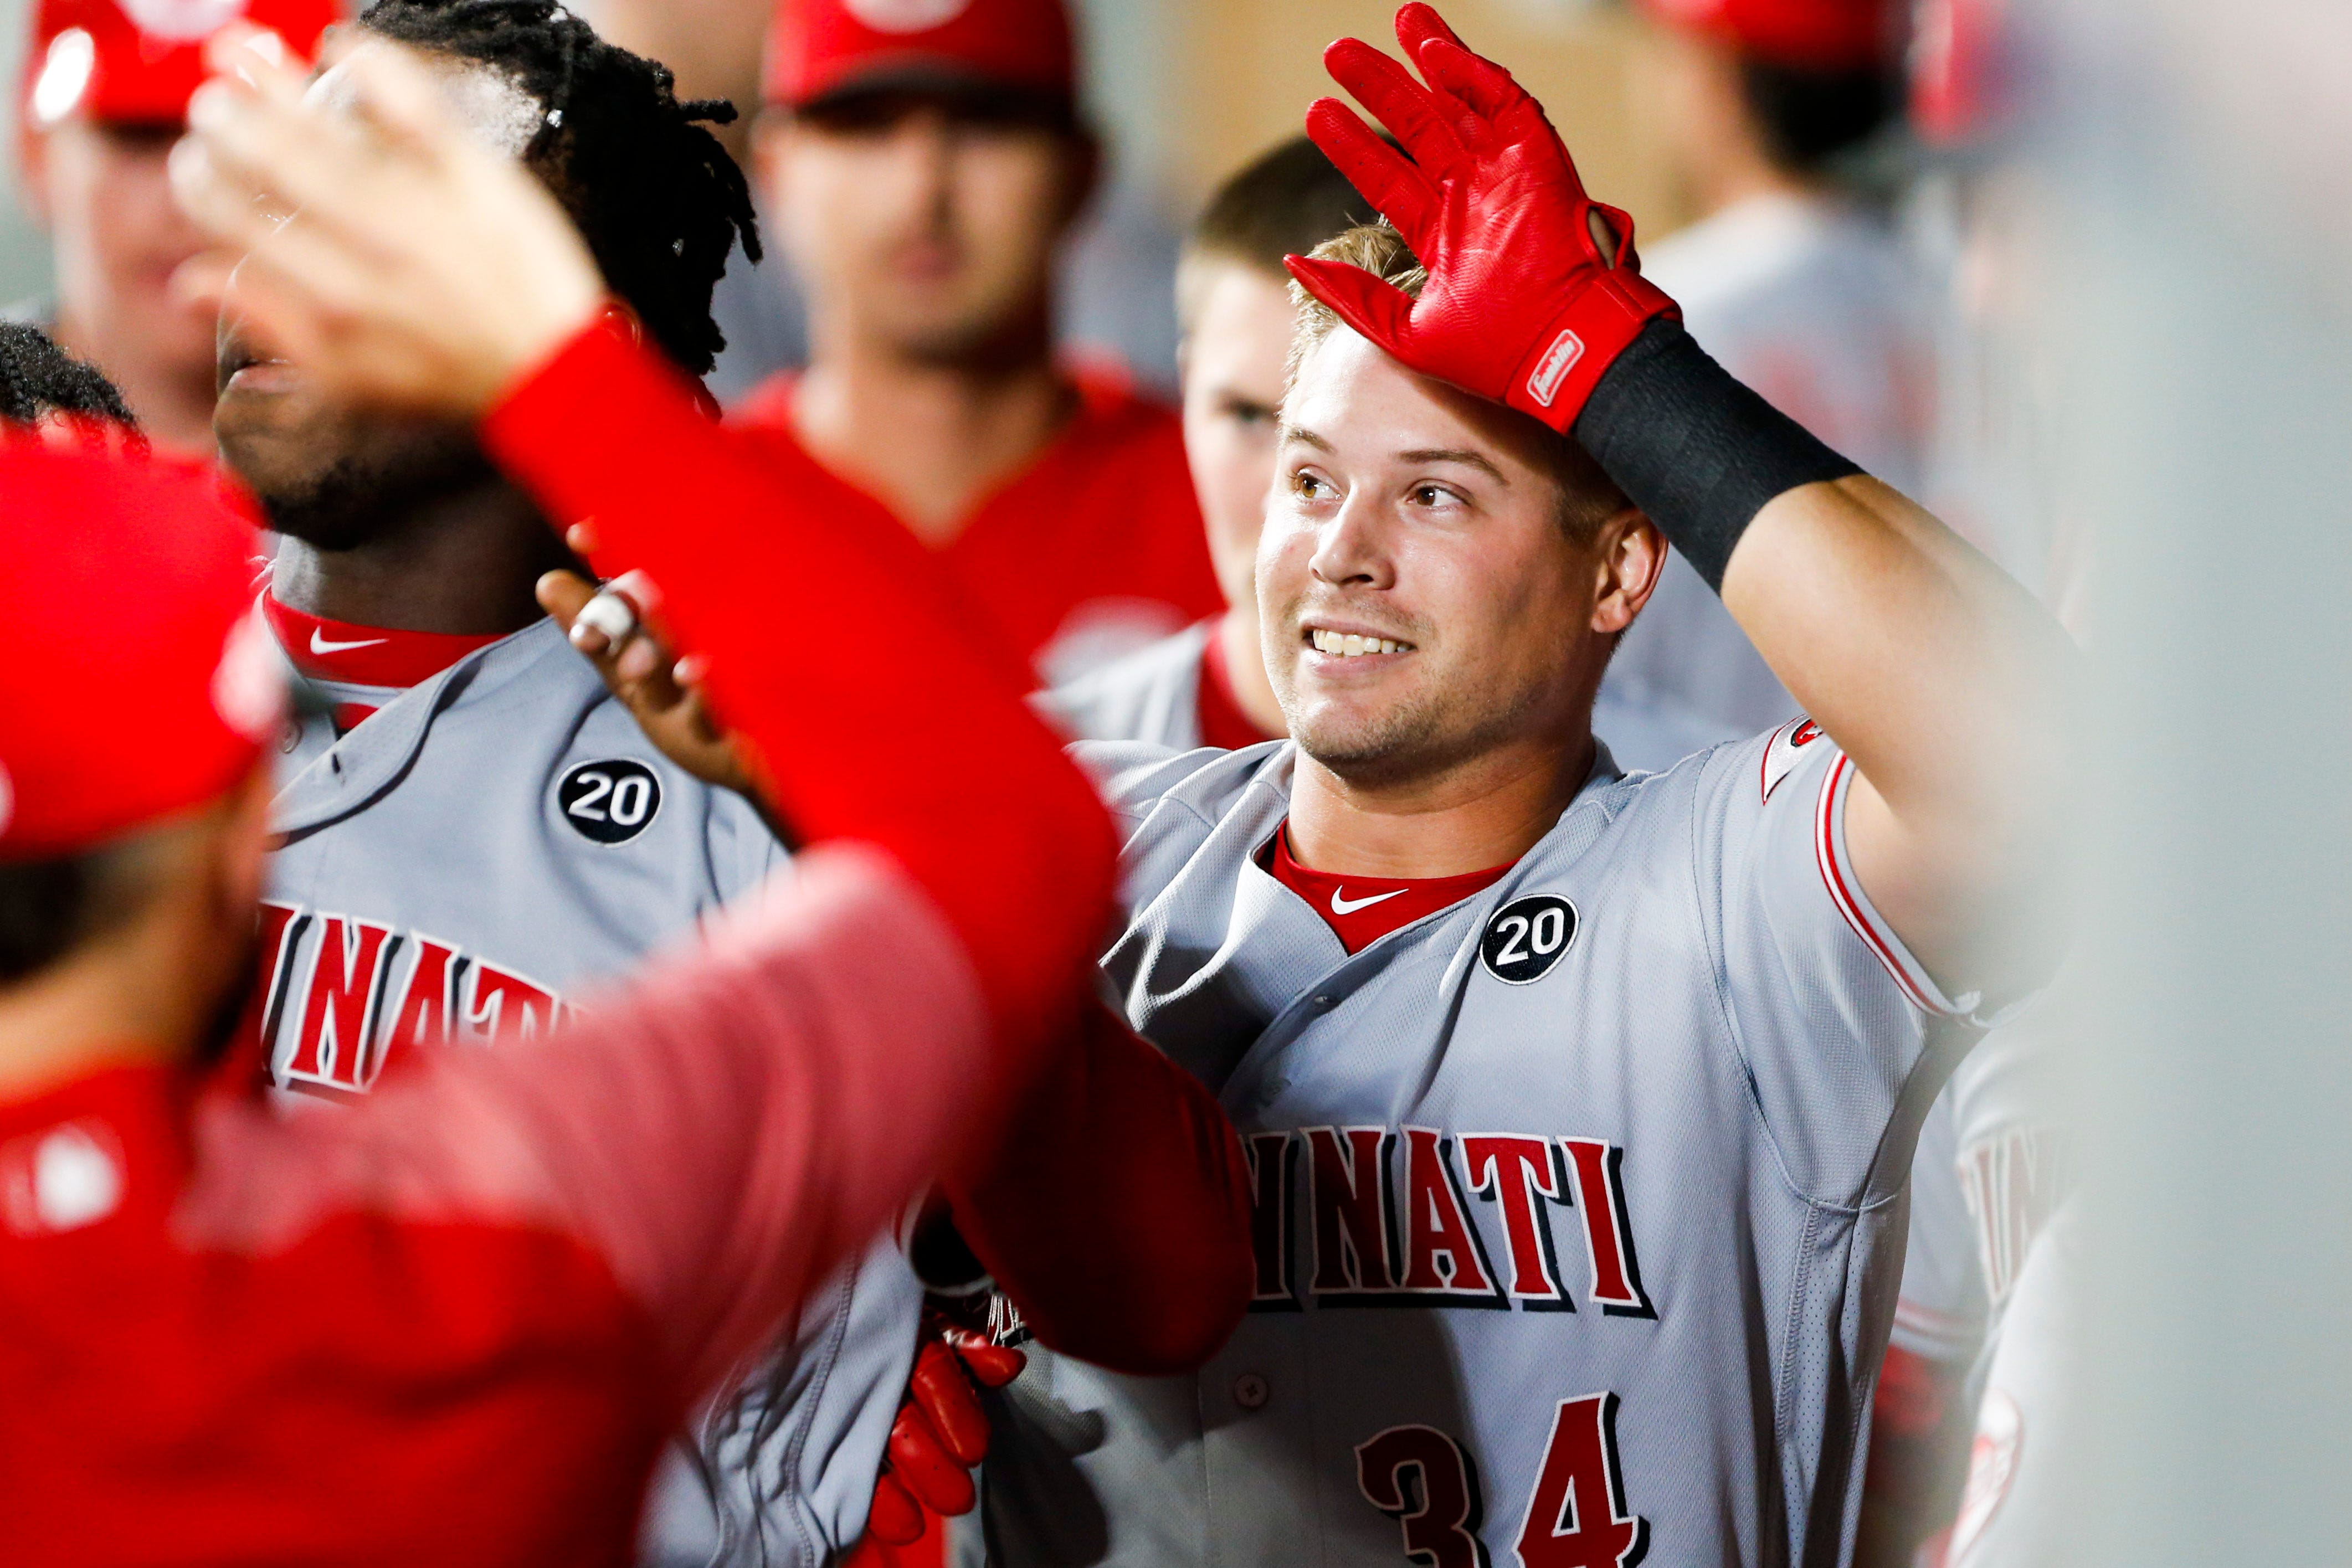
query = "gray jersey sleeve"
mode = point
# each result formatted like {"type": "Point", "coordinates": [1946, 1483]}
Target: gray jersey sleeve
{"type": "Point", "coordinates": [1833, 1016]}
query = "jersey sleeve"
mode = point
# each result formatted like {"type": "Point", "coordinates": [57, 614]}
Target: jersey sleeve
{"type": "Point", "coordinates": [1834, 1017]}
{"type": "Point", "coordinates": [727, 1130]}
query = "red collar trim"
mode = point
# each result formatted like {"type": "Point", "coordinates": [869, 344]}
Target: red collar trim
{"type": "Point", "coordinates": [1223, 725]}
{"type": "Point", "coordinates": [1361, 910]}
{"type": "Point", "coordinates": [353, 655]}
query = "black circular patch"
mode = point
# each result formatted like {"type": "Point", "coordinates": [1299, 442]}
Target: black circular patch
{"type": "Point", "coordinates": [1527, 937]}
{"type": "Point", "coordinates": [611, 802]}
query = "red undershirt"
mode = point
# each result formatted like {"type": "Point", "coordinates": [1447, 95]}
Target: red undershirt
{"type": "Point", "coordinates": [1223, 725]}
{"type": "Point", "coordinates": [346, 654]}
{"type": "Point", "coordinates": [1361, 910]}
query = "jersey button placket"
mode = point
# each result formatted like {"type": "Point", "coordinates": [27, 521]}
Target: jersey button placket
{"type": "Point", "coordinates": [1252, 1392]}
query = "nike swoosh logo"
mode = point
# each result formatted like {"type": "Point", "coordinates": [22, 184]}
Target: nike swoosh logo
{"type": "Point", "coordinates": [1342, 905]}
{"type": "Point", "coordinates": [319, 643]}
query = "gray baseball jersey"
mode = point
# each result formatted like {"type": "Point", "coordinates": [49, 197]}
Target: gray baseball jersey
{"type": "Point", "coordinates": [1152, 694]}
{"type": "Point", "coordinates": [1579, 1205]}
{"type": "Point", "coordinates": [471, 859]}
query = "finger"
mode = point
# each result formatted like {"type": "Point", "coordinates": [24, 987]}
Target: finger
{"type": "Point", "coordinates": [394, 96]}
{"type": "Point", "coordinates": [945, 1396]}
{"type": "Point", "coordinates": [991, 1364]}
{"type": "Point", "coordinates": [1383, 86]}
{"type": "Point", "coordinates": [563, 595]}
{"type": "Point", "coordinates": [1487, 88]}
{"type": "Point", "coordinates": [1380, 312]}
{"type": "Point", "coordinates": [581, 539]}
{"type": "Point", "coordinates": [1416, 24]}
{"type": "Point", "coordinates": [1395, 186]}
{"type": "Point", "coordinates": [923, 1466]}
{"type": "Point", "coordinates": [607, 621]}
{"type": "Point", "coordinates": [895, 1517]}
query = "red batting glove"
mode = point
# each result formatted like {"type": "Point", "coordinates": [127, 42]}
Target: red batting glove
{"type": "Point", "coordinates": [1534, 289]}
{"type": "Point", "coordinates": [940, 1433]}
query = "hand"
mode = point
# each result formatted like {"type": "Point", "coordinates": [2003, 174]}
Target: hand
{"type": "Point", "coordinates": [396, 260]}
{"type": "Point", "coordinates": [1534, 289]}
{"type": "Point", "coordinates": [625, 641]}
{"type": "Point", "coordinates": [941, 1431]}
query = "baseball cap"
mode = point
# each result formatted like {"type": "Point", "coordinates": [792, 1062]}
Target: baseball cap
{"type": "Point", "coordinates": [1958, 68]}
{"type": "Point", "coordinates": [140, 61]}
{"type": "Point", "coordinates": [1808, 35]}
{"type": "Point", "coordinates": [140, 684]}
{"type": "Point", "coordinates": [819, 49]}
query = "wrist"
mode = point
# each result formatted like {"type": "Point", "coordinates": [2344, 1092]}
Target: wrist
{"type": "Point", "coordinates": [1567, 361]}
{"type": "Point", "coordinates": [1693, 447]}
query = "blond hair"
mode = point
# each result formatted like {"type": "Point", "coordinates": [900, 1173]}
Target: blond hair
{"type": "Point", "coordinates": [1587, 497]}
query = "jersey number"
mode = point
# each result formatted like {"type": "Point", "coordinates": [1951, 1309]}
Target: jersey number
{"type": "Point", "coordinates": [1577, 1516]}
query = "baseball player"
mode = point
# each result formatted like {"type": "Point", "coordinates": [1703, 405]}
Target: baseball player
{"type": "Point", "coordinates": [1580, 1104]}
{"type": "Point", "coordinates": [454, 1324]}
{"type": "Point", "coordinates": [104, 96]}
{"type": "Point", "coordinates": [923, 163]}
{"type": "Point", "coordinates": [1206, 685]}
{"type": "Point", "coordinates": [473, 834]}
{"type": "Point", "coordinates": [479, 833]}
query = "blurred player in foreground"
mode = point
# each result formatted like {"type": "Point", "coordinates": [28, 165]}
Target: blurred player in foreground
{"type": "Point", "coordinates": [1797, 290]}
{"type": "Point", "coordinates": [1207, 685]}
{"type": "Point", "coordinates": [455, 1324]}
{"type": "Point", "coordinates": [923, 165]}
{"type": "Point", "coordinates": [105, 96]}
{"type": "Point", "coordinates": [479, 832]}
{"type": "Point", "coordinates": [1674, 1033]}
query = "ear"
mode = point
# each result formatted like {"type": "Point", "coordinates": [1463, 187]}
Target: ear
{"type": "Point", "coordinates": [1630, 557]}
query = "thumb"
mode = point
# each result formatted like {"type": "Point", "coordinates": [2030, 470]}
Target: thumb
{"type": "Point", "coordinates": [1380, 310]}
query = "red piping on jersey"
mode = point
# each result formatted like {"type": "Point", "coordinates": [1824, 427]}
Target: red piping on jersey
{"type": "Point", "coordinates": [1834, 875]}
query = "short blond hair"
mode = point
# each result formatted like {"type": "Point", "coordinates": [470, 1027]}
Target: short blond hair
{"type": "Point", "coordinates": [1588, 498]}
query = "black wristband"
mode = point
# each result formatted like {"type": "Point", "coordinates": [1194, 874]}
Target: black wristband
{"type": "Point", "coordinates": [1693, 447]}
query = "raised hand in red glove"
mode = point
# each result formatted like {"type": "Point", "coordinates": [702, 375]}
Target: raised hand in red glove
{"type": "Point", "coordinates": [1534, 289]}
{"type": "Point", "coordinates": [940, 1433]}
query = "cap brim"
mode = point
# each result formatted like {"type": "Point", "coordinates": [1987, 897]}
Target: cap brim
{"type": "Point", "coordinates": [928, 77]}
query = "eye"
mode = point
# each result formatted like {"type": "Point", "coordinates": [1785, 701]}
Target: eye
{"type": "Point", "coordinates": [1433, 495]}
{"type": "Point", "coordinates": [1248, 414]}
{"type": "Point", "coordinates": [1309, 485]}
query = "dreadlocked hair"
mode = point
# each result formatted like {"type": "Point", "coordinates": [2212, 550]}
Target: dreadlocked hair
{"type": "Point", "coordinates": [39, 381]}
{"type": "Point", "coordinates": [657, 197]}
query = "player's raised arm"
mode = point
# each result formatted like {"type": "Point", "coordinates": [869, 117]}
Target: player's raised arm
{"type": "Point", "coordinates": [1942, 678]}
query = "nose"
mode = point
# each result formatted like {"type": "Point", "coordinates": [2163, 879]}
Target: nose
{"type": "Point", "coordinates": [1351, 549]}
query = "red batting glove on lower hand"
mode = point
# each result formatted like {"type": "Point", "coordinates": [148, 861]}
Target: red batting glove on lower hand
{"type": "Point", "coordinates": [940, 1433]}
{"type": "Point", "coordinates": [1534, 289]}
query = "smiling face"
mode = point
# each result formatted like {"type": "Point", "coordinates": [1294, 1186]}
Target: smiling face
{"type": "Point", "coordinates": [1431, 591]}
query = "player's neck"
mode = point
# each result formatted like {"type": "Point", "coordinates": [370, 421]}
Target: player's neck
{"type": "Point", "coordinates": [173, 404]}
{"type": "Point", "coordinates": [1238, 637]}
{"type": "Point", "coordinates": [930, 438]}
{"type": "Point", "coordinates": [464, 564]}
{"type": "Point", "coordinates": [1485, 812]}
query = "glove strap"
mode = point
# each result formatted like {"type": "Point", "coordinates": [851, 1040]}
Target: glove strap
{"type": "Point", "coordinates": [1693, 447]}
{"type": "Point", "coordinates": [1557, 378]}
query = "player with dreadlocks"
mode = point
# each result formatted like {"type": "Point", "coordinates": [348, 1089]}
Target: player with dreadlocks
{"type": "Point", "coordinates": [480, 832]}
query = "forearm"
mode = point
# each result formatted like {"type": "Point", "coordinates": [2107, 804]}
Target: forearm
{"type": "Point", "coordinates": [1116, 1214]}
{"type": "Point", "coordinates": [1943, 680]}
{"type": "Point", "coordinates": [834, 652]}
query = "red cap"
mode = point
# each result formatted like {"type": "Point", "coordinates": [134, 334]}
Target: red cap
{"type": "Point", "coordinates": [1809, 35]}
{"type": "Point", "coordinates": [143, 684]}
{"type": "Point", "coordinates": [140, 61]}
{"type": "Point", "coordinates": [820, 48]}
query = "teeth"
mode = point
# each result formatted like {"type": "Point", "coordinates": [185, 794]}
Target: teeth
{"type": "Point", "coordinates": [1348, 644]}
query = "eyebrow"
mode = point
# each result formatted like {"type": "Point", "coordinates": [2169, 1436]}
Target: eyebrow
{"type": "Point", "coordinates": [1305, 437]}
{"type": "Point", "coordinates": [1468, 459]}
